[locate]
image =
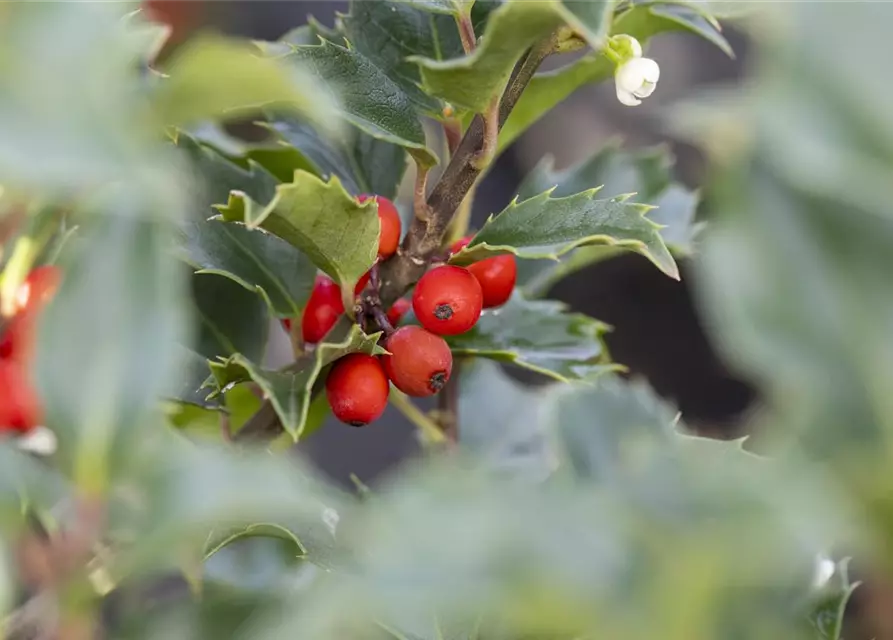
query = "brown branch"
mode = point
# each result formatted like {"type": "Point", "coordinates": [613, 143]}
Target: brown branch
{"type": "Point", "coordinates": [424, 238]}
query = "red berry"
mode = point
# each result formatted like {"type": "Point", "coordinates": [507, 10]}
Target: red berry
{"type": "Point", "coordinates": [389, 237]}
{"type": "Point", "coordinates": [497, 276]}
{"type": "Point", "coordinates": [357, 389]}
{"type": "Point", "coordinates": [322, 310]}
{"type": "Point", "coordinates": [396, 312]}
{"type": "Point", "coordinates": [19, 406]}
{"type": "Point", "coordinates": [286, 324]}
{"type": "Point", "coordinates": [447, 300]}
{"type": "Point", "coordinates": [19, 336]}
{"type": "Point", "coordinates": [362, 282]}
{"type": "Point", "coordinates": [39, 287]}
{"type": "Point", "coordinates": [419, 363]}
{"type": "Point", "coordinates": [460, 244]}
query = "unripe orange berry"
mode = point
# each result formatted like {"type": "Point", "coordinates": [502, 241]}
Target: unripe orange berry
{"type": "Point", "coordinates": [419, 362]}
{"type": "Point", "coordinates": [357, 389]}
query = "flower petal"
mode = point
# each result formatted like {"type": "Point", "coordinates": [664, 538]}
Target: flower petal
{"type": "Point", "coordinates": [626, 97]}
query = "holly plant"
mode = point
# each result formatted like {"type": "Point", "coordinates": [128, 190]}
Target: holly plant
{"type": "Point", "coordinates": [171, 198]}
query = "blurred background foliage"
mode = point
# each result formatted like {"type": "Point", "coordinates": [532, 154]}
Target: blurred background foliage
{"type": "Point", "coordinates": [571, 511]}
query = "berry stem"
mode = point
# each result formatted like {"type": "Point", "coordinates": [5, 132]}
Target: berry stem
{"type": "Point", "coordinates": [448, 405]}
{"type": "Point", "coordinates": [430, 430]}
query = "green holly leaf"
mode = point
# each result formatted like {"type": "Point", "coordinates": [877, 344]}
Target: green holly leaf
{"type": "Point", "coordinates": [369, 99]}
{"type": "Point", "coordinates": [647, 172]}
{"type": "Point", "coordinates": [258, 261]}
{"type": "Point", "coordinates": [364, 164]}
{"type": "Point", "coordinates": [447, 7]}
{"type": "Point", "coordinates": [26, 484]}
{"type": "Point", "coordinates": [122, 301]}
{"type": "Point", "coordinates": [544, 227]}
{"type": "Point", "coordinates": [827, 615]}
{"type": "Point", "coordinates": [690, 15]}
{"type": "Point", "coordinates": [538, 335]}
{"type": "Point", "coordinates": [212, 77]}
{"type": "Point", "coordinates": [72, 113]}
{"type": "Point", "coordinates": [547, 89]}
{"type": "Point", "coordinates": [339, 234]}
{"type": "Point", "coordinates": [231, 318]}
{"type": "Point", "coordinates": [504, 423]}
{"type": "Point", "coordinates": [472, 81]}
{"type": "Point", "coordinates": [224, 492]}
{"type": "Point", "coordinates": [387, 31]}
{"type": "Point", "coordinates": [290, 389]}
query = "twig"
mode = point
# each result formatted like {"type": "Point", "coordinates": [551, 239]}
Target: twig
{"type": "Point", "coordinates": [424, 238]}
{"type": "Point", "coordinates": [490, 136]}
{"type": "Point", "coordinates": [419, 205]}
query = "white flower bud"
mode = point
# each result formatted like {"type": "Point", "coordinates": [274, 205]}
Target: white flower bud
{"type": "Point", "coordinates": [636, 78]}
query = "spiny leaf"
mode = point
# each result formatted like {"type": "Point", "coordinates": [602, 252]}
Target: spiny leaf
{"type": "Point", "coordinates": [546, 227]}
{"type": "Point", "coordinates": [642, 21]}
{"type": "Point", "coordinates": [364, 164]}
{"type": "Point", "coordinates": [121, 302]}
{"type": "Point", "coordinates": [336, 232]}
{"type": "Point", "coordinates": [386, 32]}
{"type": "Point", "coordinates": [213, 76]}
{"type": "Point", "coordinates": [258, 261]}
{"type": "Point", "coordinates": [448, 7]}
{"type": "Point", "coordinates": [647, 172]}
{"type": "Point", "coordinates": [472, 81]}
{"type": "Point", "coordinates": [290, 389]}
{"type": "Point", "coordinates": [828, 615]}
{"type": "Point", "coordinates": [369, 99]}
{"type": "Point", "coordinates": [538, 335]}
{"type": "Point", "coordinates": [231, 318]}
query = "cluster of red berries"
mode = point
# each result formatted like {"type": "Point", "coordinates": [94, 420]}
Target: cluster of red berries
{"type": "Point", "coordinates": [20, 409]}
{"type": "Point", "coordinates": [447, 300]}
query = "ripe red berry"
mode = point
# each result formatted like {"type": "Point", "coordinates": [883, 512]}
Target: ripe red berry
{"type": "Point", "coordinates": [286, 324]}
{"type": "Point", "coordinates": [18, 339]}
{"type": "Point", "coordinates": [389, 237]}
{"type": "Point", "coordinates": [460, 244]}
{"type": "Point", "coordinates": [419, 363]}
{"type": "Point", "coordinates": [447, 300]}
{"type": "Point", "coordinates": [19, 405]}
{"type": "Point", "coordinates": [497, 276]}
{"type": "Point", "coordinates": [398, 310]}
{"type": "Point", "coordinates": [361, 283]}
{"type": "Point", "coordinates": [39, 287]}
{"type": "Point", "coordinates": [357, 389]}
{"type": "Point", "coordinates": [322, 310]}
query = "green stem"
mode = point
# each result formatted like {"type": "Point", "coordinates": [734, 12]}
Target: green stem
{"type": "Point", "coordinates": [430, 431]}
